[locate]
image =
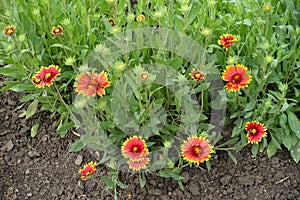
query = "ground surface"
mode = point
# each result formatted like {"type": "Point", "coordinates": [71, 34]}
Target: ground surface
{"type": "Point", "coordinates": [42, 168]}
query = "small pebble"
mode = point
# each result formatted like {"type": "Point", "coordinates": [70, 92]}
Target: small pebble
{"type": "Point", "coordinates": [9, 145]}
{"type": "Point", "coordinates": [78, 160]}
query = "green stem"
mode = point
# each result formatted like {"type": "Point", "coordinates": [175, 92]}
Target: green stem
{"type": "Point", "coordinates": [64, 103]}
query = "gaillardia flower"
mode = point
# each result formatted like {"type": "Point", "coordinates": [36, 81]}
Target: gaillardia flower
{"type": "Point", "coordinates": [137, 165]}
{"type": "Point", "coordinates": [87, 170]}
{"type": "Point", "coordinates": [9, 30]}
{"type": "Point", "coordinates": [197, 75]}
{"type": "Point", "coordinates": [57, 30]}
{"type": "Point", "coordinates": [196, 150]}
{"type": "Point", "coordinates": [46, 76]}
{"type": "Point", "coordinates": [255, 132]}
{"type": "Point", "coordinates": [226, 40]}
{"type": "Point", "coordinates": [236, 77]}
{"type": "Point", "coordinates": [135, 148]}
{"type": "Point", "coordinates": [91, 83]}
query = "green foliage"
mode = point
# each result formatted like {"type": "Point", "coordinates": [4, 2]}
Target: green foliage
{"type": "Point", "coordinates": [168, 105]}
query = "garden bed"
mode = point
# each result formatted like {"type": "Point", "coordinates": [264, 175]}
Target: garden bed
{"type": "Point", "coordinates": [42, 168]}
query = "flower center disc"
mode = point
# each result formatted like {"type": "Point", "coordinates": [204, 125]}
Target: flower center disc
{"type": "Point", "coordinates": [236, 78]}
{"type": "Point", "coordinates": [197, 149]}
{"type": "Point", "coordinates": [47, 75]}
{"type": "Point", "coordinates": [134, 149]}
{"type": "Point", "coordinates": [197, 75]}
{"type": "Point", "coordinates": [253, 131]}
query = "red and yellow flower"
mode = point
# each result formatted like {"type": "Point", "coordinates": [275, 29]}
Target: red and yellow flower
{"type": "Point", "coordinates": [87, 170]}
{"type": "Point", "coordinates": [90, 84]}
{"type": "Point", "coordinates": [226, 40]}
{"type": "Point", "coordinates": [57, 30]}
{"type": "Point", "coordinates": [196, 150]}
{"type": "Point", "coordinates": [255, 132]}
{"type": "Point", "coordinates": [46, 76]}
{"type": "Point", "coordinates": [136, 150]}
{"type": "Point", "coordinates": [236, 77]}
{"type": "Point", "coordinates": [9, 30]}
{"type": "Point", "coordinates": [197, 75]}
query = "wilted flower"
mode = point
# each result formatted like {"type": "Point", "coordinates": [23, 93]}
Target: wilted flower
{"type": "Point", "coordinates": [145, 76]}
{"type": "Point", "coordinates": [140, 18]}
{"type": "Point", "coordinates": [90, 84]}
{"type": "Point", "coordinates": [46, 76]}
{"type": "Point", "coordinates": [111, 21]}
{"type": "Point", "coordinates": [9, 30]}
{"type": "Point", "coordinates": [255, 132]}
{"type": "Point", "coordinates": [196, 150]}
{"type": "Point", "coordinates": [57, 30]}
{"type": "Point", "coordinates": [226, 40]}
{"type": "Point", "coordinates": [87, 170]}
{"type": "Point", "coordinates": [236, 77]}
{"type": "Point", "coordinates": [197, 75]}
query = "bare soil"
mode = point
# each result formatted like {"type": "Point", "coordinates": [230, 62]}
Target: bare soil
{"type": "Point", "coordinates": [42, 168]}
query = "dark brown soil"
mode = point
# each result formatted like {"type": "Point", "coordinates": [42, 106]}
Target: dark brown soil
{"type": "Point", "coordinates": [42, 168]}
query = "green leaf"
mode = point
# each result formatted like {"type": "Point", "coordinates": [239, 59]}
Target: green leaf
{"type": "Point", "coordinates": [250, 106]}
{"type": "Point", "coordinates": [229, 142]}
{"type": "Point", "coordinates": [143, 180]}
{"type": "Point", "coordinates": [295, 152]}
{"type": "Point", "coordinates": [108, 182]}
{"type": "Point", "coordinates": [34, 130]}
{"type": "Point", "coordinates": [233, 158]}
{"type": "Point", "coordinates": [294, 123]}
{"type": "Point", "coordinates": [77, 146]}
{"type": "Point", "coordinates": [208, 165]}
{"type": "Point", "coordinates": [271, 149]}
{"type": "Point", "coordinates": [168, 173]}
{"type": "Point", "coordinates": [122, 185]}
{"type": "Point", "coordinates": [62, 130]}
{"type": "Point", "coordinates": [32, 108]}
{"type": "Point", "coordinates": [11, 71]}
{"type": "Point", "coordinates": [254, 149]}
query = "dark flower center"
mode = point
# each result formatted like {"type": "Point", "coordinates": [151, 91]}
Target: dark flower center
{"type": "Point", "coordinates": [196, 149]}
{"type": "Point", "coordinates": [236, 78]}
